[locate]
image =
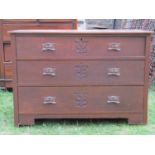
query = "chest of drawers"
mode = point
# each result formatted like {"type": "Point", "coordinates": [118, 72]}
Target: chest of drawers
{"type": "Point", "coordinates": [14, 24]}
{"type": "Point", "coordinates": [80, 74]}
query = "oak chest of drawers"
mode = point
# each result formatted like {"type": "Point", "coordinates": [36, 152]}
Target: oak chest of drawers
{"type": "Point", "coordinates": [80, 74]}
{"type": "Point", "coordinates": [15, 24]}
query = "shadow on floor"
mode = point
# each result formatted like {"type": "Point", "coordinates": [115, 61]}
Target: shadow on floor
{"type": "Point", "coordinates": [82, 122]}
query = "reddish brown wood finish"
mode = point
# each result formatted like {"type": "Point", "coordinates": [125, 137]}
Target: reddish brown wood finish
{"type": "Point", "coordinates": [95, 100]}
{"type": "Point", "coordinates": [79, 87]}
{"type": "Point", "coordinates": [18, 24]}
{"type": "Point", "coordinates": [1, 57]}
{"type": "Point", "coordinates": [7, 54]}
{"type": "Point", "coordinates": [133, 118]}
{"type": "Point", "coordinates": [7, 63]}
{"type": "Point", "coordinates": [15, 88]}
{"type": "Point", "coordinates": [70, 73]}
{"type": "Point", "coordinates": [9, 27]}
{"type": "Point", "coordinates": [66, 47]}
{"type": "Point", "coordinates": [15, 24]}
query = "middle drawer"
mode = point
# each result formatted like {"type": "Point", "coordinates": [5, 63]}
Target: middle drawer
{"type": "Point", "coordinates": [55, 73]}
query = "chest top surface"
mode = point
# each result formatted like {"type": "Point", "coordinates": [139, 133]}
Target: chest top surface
{"type": "Point", "coordinates": [81, 32]}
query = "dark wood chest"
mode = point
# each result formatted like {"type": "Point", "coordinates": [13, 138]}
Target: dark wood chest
{"type": "Point", "coordinates": [80, 74]}
{"type": "Point", "coordinates": [15, 24]}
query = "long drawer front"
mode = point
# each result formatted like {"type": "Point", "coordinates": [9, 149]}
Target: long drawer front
{"type": "Point", "coordinates": [78, 47]}
{"type": "Point", "coordinates": [64, 73]}
{"type": "Point", "coordinates": [80, 100]}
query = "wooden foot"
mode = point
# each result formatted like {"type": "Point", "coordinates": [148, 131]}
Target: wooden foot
{"type": "Point", "coordinates": [25, 120]}
{"type": "Point", "coordinates": [136, 119]}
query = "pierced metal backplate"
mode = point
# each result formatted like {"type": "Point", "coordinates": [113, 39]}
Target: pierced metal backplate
{"type": "Point", "coordinates": [81, 99]}
{"type": "Point", "coordinates": [81, 45]}
{"type": "Point", "coordinates": [81, 71]}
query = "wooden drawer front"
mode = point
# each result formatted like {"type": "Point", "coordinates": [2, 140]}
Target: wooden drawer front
{"type": "Point", "coordinates": [9, 27]}
{"type": "Point", "coordinates": [8, 54]}
{"type": "Point", "coordinates": [78, 47]}
{"type": "Point", "coordinates": [79, 100]}
{"type": "Point", "coordinates": [52, 73]}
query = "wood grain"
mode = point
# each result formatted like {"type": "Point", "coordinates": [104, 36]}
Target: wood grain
{"type": "Point", "coordinates": [79, 85]}
{"type": "Point", "coordinates": [6, 55]}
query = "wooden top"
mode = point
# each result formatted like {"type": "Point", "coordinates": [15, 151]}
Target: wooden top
{"type": "Point", "coordinates": [81, 32]}
{"type": "Point", "coordinates": [14, 21]}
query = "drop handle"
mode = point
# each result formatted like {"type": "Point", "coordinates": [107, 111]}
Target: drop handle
{"type": "Point", "coordinates": [49, 71]}
{"type": "Point", "coordinates": [114, 47]}
{"type": "Point", "coordinates": [48, 47]}
{"type": "Point", "coordinates": [114, 72]}
{"type": "Point", "coordinates": [7, 62]}
{"type": "Point", "coordinates": [49, 100]}
{"type": "Point", "coordinates": [113, 99]}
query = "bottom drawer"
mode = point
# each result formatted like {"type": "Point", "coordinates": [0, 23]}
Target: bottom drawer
{"type": "Point", "coordinates": [80, 100]}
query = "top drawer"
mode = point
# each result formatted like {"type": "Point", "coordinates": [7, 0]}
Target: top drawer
{"type": "Point", "coordinates": [78, 47]}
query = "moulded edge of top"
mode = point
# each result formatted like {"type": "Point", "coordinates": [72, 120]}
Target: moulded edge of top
{"type": "Point", "coordinates": [50, 31]}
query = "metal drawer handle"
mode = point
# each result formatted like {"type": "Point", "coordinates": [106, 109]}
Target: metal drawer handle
{"type": "Point", "coordinates": [114, 47]}
{"type": "Point", "coordinates": [49, 100]}
{"type": "Point", "coordinates": [7, 62]}
{"type": "Point", "coordinates": [49, 71]}
{"type": "Point", "coordinates": [113, 99]}
{"type": "Point", "coordinates": [47, 47]}
{"type": "Point", "coordinates": [114, 72]}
